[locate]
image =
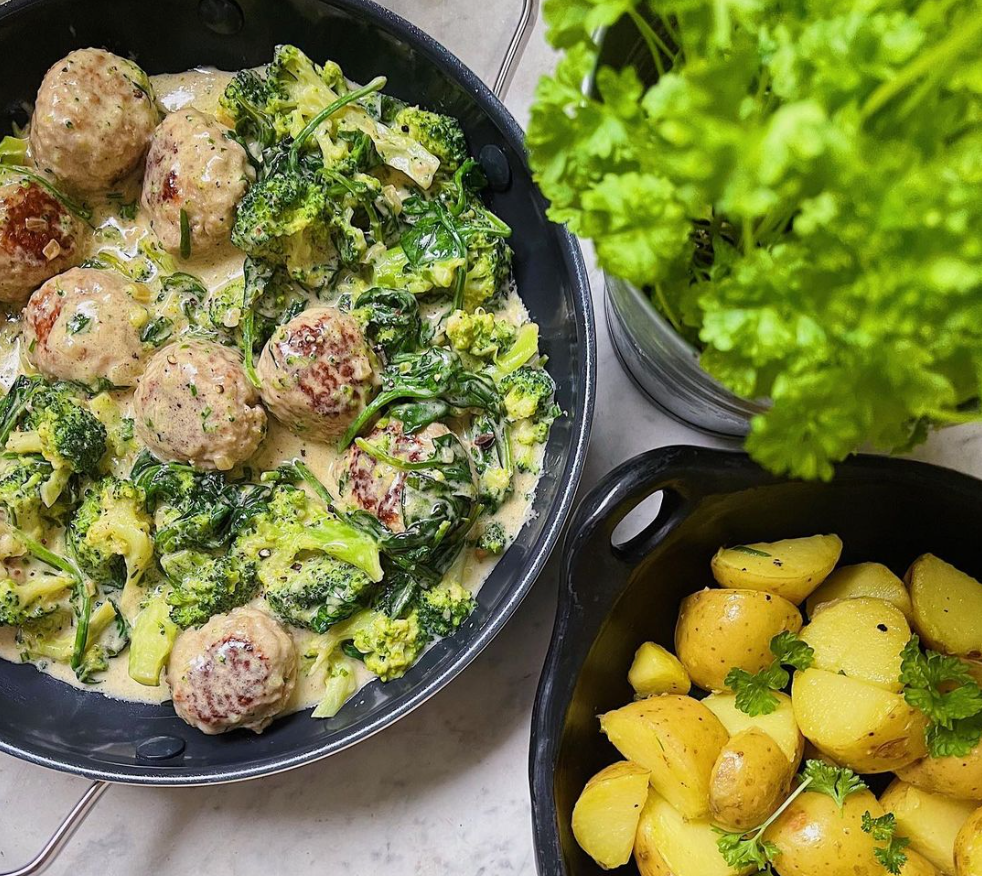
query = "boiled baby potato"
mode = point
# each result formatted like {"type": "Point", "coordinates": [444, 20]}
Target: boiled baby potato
{"type": "Point", "coordinates": [930, 821]}
{"type": "Point", "coordinates": [669, 845]}
{"type": "Point", "coordinates": [750, 779]}
{"type": "Point", "coordinates": [861, 638]}
{"type": "Point", "coordinates": [959, 777]}
{"type": "Point", "coordinates": [815, 838]}
{"type": "Point", "coordinates": [678, 739]}
{"type": "Point", "coordinates": [791, 568]}
{"type": "Point", "coordinates": [718, 630]}
{"type": "Point", "coordinates": [864, 579]}
{"type": "Point", "coordinates": [780, 724]}
{"type": "Point", "coordinates": [859, 725]}
{"type": "Point", "coordinates": [968, 847]}
{"type": "Point", "coordinates": [656, 670]}
{"type": "Point", "coordinates": [605, 818]}
{"type": "Point", "coordinates": [947, 607]}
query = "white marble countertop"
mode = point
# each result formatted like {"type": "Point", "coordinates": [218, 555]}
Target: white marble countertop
{"type": "Point", "coordinates": [443, 792]}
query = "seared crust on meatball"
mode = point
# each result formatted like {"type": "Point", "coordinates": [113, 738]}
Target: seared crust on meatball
{"type": "Point", "coordinates": [194, 404]}
{"type": "Point", "coordinates": [85, 325]}
{"type": "Point", "coordinates": [92, 120]}
{"type": "Point", "coordinates": [238, 670]}
{"type": "Point", "coordinates": [193, 166]}
{"type": "Point", "coordinates": [39, 238]}
{"type": "Point", "coordinates": [316, 373]}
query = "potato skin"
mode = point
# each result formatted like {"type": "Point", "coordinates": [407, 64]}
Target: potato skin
{"type": "Point", "coordinates": [857, 724]}
{"type": "Point", "coordinates": [675, 737]}
{"type": "Point", "coordinates": [750, 779]}
{"type": "Point", "coordinates": [959, 777]}
{"type": "Point", "coordinates": [864, 579]}
{"type": "Point", "coordinates": [605, 817]}
{"type": "Point", "coordinates": [930, 821]}
{"type": "Point", "coordinates": [968, 846]}
{"type": "Point", "coordinates": [720, 629]}
{"type": "Point", "coordinates": [861, 638]}
{"type": "Point", "coordinates": [656, 670]}
{"type": "Point", "coordinates": [792, 567]}
{"type": "Point", "coordinates": [780, 724]}
{"type": "Point", "coordinates": [947, 607]}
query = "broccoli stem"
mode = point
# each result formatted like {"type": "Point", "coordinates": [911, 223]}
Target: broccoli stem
{"type": "Point", "coordinates": [313, 481]}
{"type": "Point", "coordinates": [82, 630]}
{"type": "Point", "coordinates": [378, 453]}
{"type": "Point", "coordinates": [525, 347]}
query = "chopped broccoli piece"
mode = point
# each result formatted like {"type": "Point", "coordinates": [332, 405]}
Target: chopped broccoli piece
{"type": "Point", "coordinates": [530, 432]}
{"type": "Point", "coordinates": [340, 684]}
{"type": "Point", "coordinates": [390, 646]}
{"type": "Point", "coordinates": [494, 485]}
{"type": "Point", "coordinates": [109, 535]}
{"type": "Point", "coordinates": [317, 591]}
{"type": "Point", "coordinates": [527, 393]}
{"type": "Point", "coordinates": [21, 480]}
{"type": "Point", "coordinates": [40, 596]}
{"type": "Point", "coordinates": [205, 585]}
{"type": "Point", "coordinates": [493, 539]}
{"type": "Point", "coordinates": [442, 609]}
{"type": "Point", "coordinates": [394, 271]}
{"type": "Point", "coordinates": [439, 134]}
{"type": "Point", "coordinates": [479, 333]}
{"type": "Point", "coordinates": [151, 641]}
{"type": "Point", "coordinates": [488, 270]}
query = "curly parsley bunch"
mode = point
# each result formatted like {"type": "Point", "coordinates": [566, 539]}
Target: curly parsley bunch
{"type": "Point", "coordinates": [801, 193]}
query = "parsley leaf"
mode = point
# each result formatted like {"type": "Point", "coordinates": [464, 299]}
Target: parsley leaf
{"type": "Point", "coordinates": [836, 782]}
{"type": "Point", "coordinates": [943, 689]}
{"type": "Point", "coordinates": [754, 693]}
{"type": "Point", "coordinates": [792, 651]}
{"type": "Point", "coordinates": [884, 829]}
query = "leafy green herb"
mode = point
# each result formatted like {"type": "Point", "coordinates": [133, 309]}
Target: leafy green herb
{"type": "Point", "coordinates": [884, 830]}
{"type": "Point", "coordinates": [776, 192]}
{"type": "Point", "coordinates": [836, 782]}
{"type": "Point", "coordinates": [792, 651]}
{"type": "Point", "coordinates": [78, 324]}
{"type": "Point", "coordinates": [185, 235]}
{"type": "Point", "coordinates": [157, 331]}
{"type": "Point", "coordinates": [127, 212]}
{"type": "Point", "coordinates": [943, 689]}
{"type": "Point", "coordinates": [754, 692]}
{"type": "Point", "coordinates": [753, 552]}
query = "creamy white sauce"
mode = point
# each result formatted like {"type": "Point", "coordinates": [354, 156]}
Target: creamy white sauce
{"type": "Point", "coordinates": [201, 89]}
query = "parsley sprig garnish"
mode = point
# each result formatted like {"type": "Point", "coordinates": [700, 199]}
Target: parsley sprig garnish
{"type": "Point", "coordinates": [836, 782]}
{"type": "Point", "coordinates": [754, 692]}
{"type": "Point", "coordinates": [943, 689]}
{"type": "Point", "coordinates": [884, 830]}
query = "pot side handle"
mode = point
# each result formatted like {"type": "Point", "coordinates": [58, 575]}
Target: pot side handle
{"type": "Point", "coordinates": [65, 831]}
{"type": "Point", "coordinates": [516, 48]}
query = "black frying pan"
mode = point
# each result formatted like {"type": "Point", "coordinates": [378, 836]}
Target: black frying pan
{"type": "Point", "coordinates": [614, 597]}
{"type": "Point", "coordinates": [52, 724]}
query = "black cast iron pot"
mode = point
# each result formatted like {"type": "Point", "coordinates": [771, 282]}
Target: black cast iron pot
{"type": "Point", "coordinates": [52, 724]}
{"type": "Point", "coordinates": [616, 596]}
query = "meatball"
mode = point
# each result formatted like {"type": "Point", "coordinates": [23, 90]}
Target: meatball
{"type": "Point", "coordinates": [316, 373]}
{"type": "Point", "coordinates": [92, 120]}
{"type": "Point", "coordinates": [193, 166]}
{"type": "Point", "coordinates": [378, 487]}
{"type": "Point", "coordinates": [39, 238]}
{"type": "Point", "coordinates": [85, 325]}
{"type": "Point", "coordinates": [238, 670]}
{"type": "Point", "coordinates": [194, 404]}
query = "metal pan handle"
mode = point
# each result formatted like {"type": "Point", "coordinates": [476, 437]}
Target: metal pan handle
{"type": "Point", "coordinates": [66, 830]}
{"type": "Point", "coordinates": [516, 48]}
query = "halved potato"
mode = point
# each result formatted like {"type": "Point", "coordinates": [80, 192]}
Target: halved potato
{"type": "Point", "coordinates": [669, 845]}
{"type": "Point", "coordinates": [656, 670]}
{"type": "Point", "coordinates": [930, 821]}
{"type": "Point", "coordinates": [605, 817]}
{"type": "Point", "coordinates": [861, 726]}
{"type": "Point", "coordinates": [678, 739]}
{"type": "Point", "coordinates": [864, 579]}
{"type": "Point", "coordinates": [750, 779]}
{"type": "Point", "coordinates": [718, 630]}
{"type": "Point", "coordinates": [947, 607]}
{"type": "Point", "coordinates": [791, 568]}
{"type": "Point", "coordinates": [780, 724]}
{"type": "Point", "coordinates": [959, 777]}
{"type": "Point", "coordinates": [968, 846]}
{"type": "Point", "coordinates": [861, 638]}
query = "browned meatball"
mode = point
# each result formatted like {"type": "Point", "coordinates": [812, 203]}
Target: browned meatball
{"type": "Point", "coordinates": [370, 484]}
{"type": "Point", "coordinates": [92, 120]}
{"type": "Point", "coordinates": [85, 325]}
{"type": "Point", "coordinates": [194, 404]}
{"type": "Point", "coordinates": [316, 373]}
{"type": "Point", "coordinates": [194, 167]}
{"type": "Point", "coordinates": [39, 238]}
{"type": "Point", "coordinates": [238, 670]}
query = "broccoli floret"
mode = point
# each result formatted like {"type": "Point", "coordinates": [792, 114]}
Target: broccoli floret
{"type": "Point", "coordinates": [21, 480]}
{"type": "Point", "coordinates": [390, 646]}
{"type": "Point", "coordinates": [40, 596]}
{"type": "Point", "coordinates": [479, 333]}
{"type": "Point", "coordinates": [527, 393]}
{"type": "Point", "coordinates": [488, 270]}
{"type": "Point", "coordinates": [224, 307]}
{"type": "Point", "coordinates": [444, 608]}
{"type": "Point", "coordinates": [492, 539]}
{"type": "Point", "coordinates": [109, 534]}
{"type": "Point", "coordinates": [205, 585]}
{"type": "Point", "coordinates": [494, 486]}
{"type": "Point", "coordinates": [440, 135]}
{"type": "Point", "coordinates": [68, 434]}
{"type": "Point", "coordinates": [316, 592]}
{"type": "Point", "coordinates": [246, 105]}
{"type": "Point", "coordinates": [151, 641]}
{"type": "Point", "coordinates": [393, 271]}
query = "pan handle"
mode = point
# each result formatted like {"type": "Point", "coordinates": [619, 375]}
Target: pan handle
{"type": "Point", "coordinates": [66, 830]}
{"type": "Point", "coordinates": [516, 47]}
